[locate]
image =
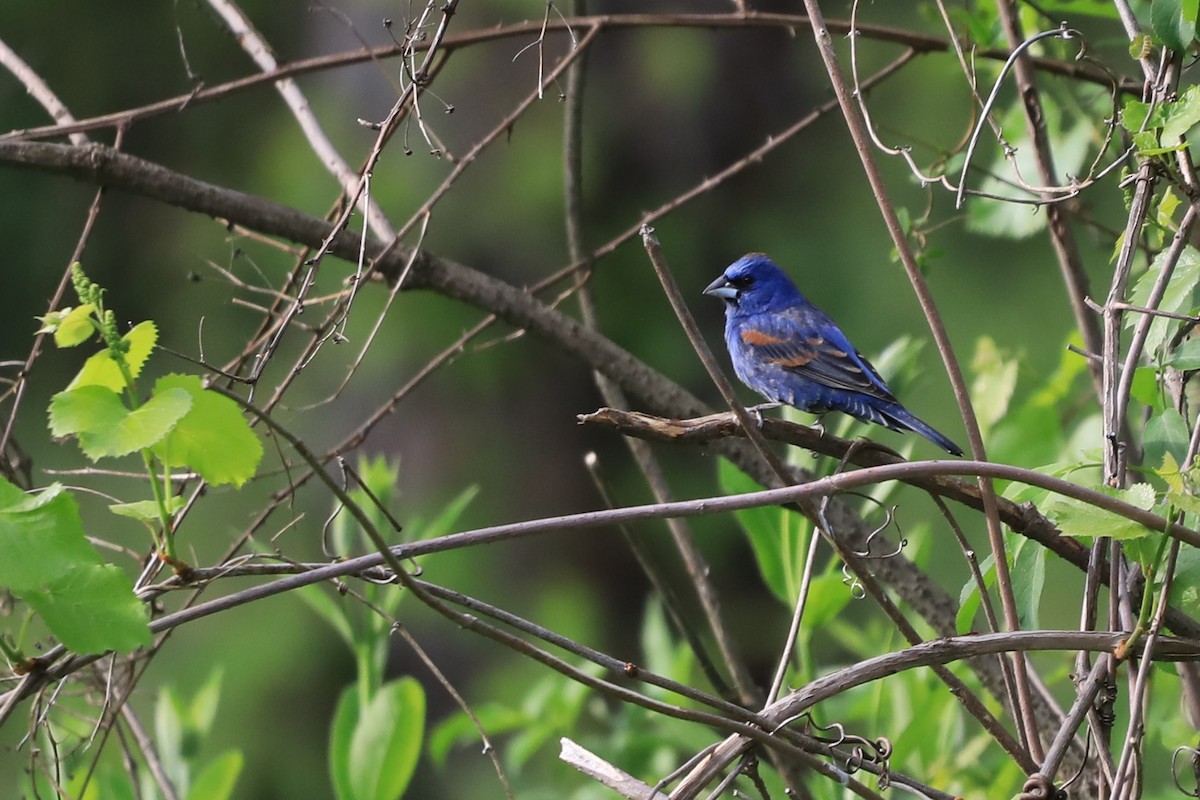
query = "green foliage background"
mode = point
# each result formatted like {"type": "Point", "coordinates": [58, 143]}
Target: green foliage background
{"type": "Point", "coordinates": [664, 108]}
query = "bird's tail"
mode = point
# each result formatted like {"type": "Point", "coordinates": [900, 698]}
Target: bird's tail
{"type": "Point", "coordinates": [904, 419]}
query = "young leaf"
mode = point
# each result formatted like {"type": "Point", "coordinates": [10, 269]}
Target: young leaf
{"type": "Point", "coordinates": [146, 510]}
{"type": "Point", "coordinates": [106, 428]}
{"type": "Point", "coordinates": [75, 326]}
{"type": "Point", "coordinates": [213, 438]}
{"type": "Point", "coordinates": [102, 370]}
{"type": "Point", "coordinates": [445, 520]}
{"type": "Point", "coordinates": [218, 778]}
{"type": "Point", "coordinates": [995, 380]}
{"type": "Point", "coordinates": [84, 409]}
{"type": "Point", "coordinates": [1180, 486]}
{"type": "Point", "coordinates": [374, 750]}
{"type": "Point", "coordinates": [1137, 116]}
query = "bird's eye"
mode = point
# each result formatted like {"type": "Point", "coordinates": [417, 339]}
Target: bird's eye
{"type": "Point", "coordinates": [740, 281]}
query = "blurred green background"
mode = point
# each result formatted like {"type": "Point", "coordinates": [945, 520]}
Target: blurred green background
{"type": "Point", "coordinates": [664, 108]}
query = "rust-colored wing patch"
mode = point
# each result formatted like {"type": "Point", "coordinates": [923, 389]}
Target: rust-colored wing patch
{"type": "Point", "coordinates": [796, 360]}
{"type": "Point", "coordinates": [760, 339]}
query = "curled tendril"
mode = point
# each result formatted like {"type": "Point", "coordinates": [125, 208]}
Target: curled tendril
{"type": "Point", "coordinates": [1061, 32]}
{"type": "Point", "coordinates": [1040, 787]}
{"type": "Point", "coordinates": [888, 520]}
{"type": "Point", "coordinates": [833, 726]}
{"type": "Point", "coordinates": [854, 761]}
{"type": "Point", "coordinates": [861, 749]}
{"type": "Point", "coordinates": [883, 748]}
{"type": "Point", "coordinates": [850, 579]}
{"type": "Point", "coordinates": [1195, 764]}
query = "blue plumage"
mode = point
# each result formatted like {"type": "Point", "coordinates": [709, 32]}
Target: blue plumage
{"type": "Point", "coordinates": [789, 351]}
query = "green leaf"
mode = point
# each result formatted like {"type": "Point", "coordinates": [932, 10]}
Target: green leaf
{"type": "Point", "coordinates": [46, 560]}
{"type": "Point", "coordinates": [346, 535]}
{"type": "Point", "coordinates": [1174, 23]}
{"type": "Point", "coordinates": [828, 596]}
{"type": "Point", "coordinates": [75, 326]}
{"type": "Point", "coordinates": [84, 409]}
{"type": "Point", "coordinates": [1166, 432]}
{"type": "Point", "coordinates": [146, 510]}
{"type": "Point", "coordinates": [995, 380]}
{"type": "Point", "coordinates": [494, 718]}
{"type": "Point", "coordinates": [92, 609]}
{"type": "Point", "coordinates": [1186, 356]}
{"type": "Point", "coordinates": [1164, 212]}
{"type": "Point", "coordinates": [1179, 298]}
{"type": "Point", "coordinates": [319, 601]}
{"type": "Point", "coordinates": [1185, 588]}
{"type": "Point", "coordinates": [147, 424]}
{"type": "Point", "coordinates": [777, 536]}
{"type": "Point", "coordinates": [202, 711]}
{"type": "Point", "coordinates": [41, 537]}
{"type": "Point", "coordinates": [1030, 435]}
{"type": "Point", "coordinates": [170, 732]}
{"type": "Point", "coordinates": [1182, 115]}
{"type": "Point", "coordinates": [1059, 385]}
{"type": "Point", "coordinates": [374, 750]}
{"type": "Point", "coordinates": [1137, 116]}
{"type": "Point", "coordinates": [102, 370]}
{"type": "Point", "coordinates": [106, 428]}
{"type": "Point", "coordinates": [1144, 388]}
{"type": "Point", "coordinates": [659, 648]}
{"type": "Point", "coordinates": [1077, 518]}
{"type": "Point", "coordinates": [1180, 486]}
{"type": "Point", "coordinates": [218, 778]}
{"type": "Point", "coordinates": [1028, 571]}
{"type": "Point", "coordinates": [213, 438]}
{"type": "Point", "coordinates": [1026, 493]}
{"type": "Point", "coordinates": [107, 783]}
{"type": "Point", "coordinates": [1146, 143]}
{"type": "Point", "coordinates": [446, 519]}
{"type": "Point", "coordinates": [968, 606]}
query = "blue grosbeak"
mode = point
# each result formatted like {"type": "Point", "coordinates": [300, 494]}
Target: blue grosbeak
{"type": "Point", "coordinates": [790, 351]}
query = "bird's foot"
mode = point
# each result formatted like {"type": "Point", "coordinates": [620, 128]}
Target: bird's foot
{"type": "Point", "coordinates": [761, 407]}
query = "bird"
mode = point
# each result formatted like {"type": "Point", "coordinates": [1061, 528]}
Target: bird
{"type": "Point", "coordinates": [791, 352]}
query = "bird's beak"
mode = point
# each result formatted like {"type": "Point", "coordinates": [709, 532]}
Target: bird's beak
{"type": "Point", "coordinates": [721, 288]}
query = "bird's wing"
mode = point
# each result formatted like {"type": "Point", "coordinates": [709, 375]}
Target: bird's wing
{"type": "Point", "coordinates": [807, 342]}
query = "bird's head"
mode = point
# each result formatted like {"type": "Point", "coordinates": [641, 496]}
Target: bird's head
{"type": "Point", "coordinates": [754, 283]}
